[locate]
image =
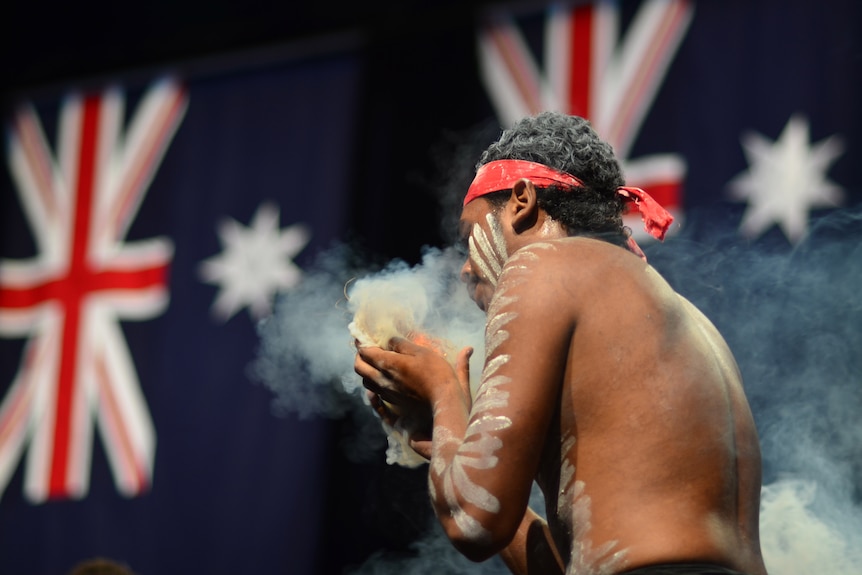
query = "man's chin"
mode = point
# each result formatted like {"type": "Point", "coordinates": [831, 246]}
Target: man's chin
{"type": "Point", "coordinates": [476, 294]}
{"type": "Point", "coordinates": [481, 303]}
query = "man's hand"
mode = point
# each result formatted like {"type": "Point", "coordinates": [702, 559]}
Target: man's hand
{"type": "Point", "coordinates": [408, 372]}
{"type": "Point", "coordinates": [415, 419]}
{"type": "Point", "coordinates": [406, 381]}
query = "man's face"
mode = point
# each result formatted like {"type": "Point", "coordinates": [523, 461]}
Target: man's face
{"type": "Point", "coordinates": [482, 235]}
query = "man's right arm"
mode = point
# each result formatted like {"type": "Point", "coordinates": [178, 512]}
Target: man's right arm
{"type": "Point", "coordinates": [532, 550]}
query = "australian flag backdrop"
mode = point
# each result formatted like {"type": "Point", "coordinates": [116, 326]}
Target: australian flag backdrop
{"type": "Point", "coordinates": [151, 219]}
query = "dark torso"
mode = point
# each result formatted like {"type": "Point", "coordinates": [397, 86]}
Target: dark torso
{"type": "Point", "coordinates": [652, 455]}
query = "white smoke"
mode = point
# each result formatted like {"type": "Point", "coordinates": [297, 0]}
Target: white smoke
{"type": "Point", "coordinates": [428, 298]}
{"type": "Point", "coordinates": [801, 535]}
{"type": "Point", "coordinates": [307, 347]}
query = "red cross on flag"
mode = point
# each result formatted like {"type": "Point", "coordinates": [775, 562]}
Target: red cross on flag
{"type": "Point", "coordinates": [68, 299]}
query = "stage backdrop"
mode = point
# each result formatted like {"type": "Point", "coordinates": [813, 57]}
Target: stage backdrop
{"type": "Point", "coordinates": [144, 229]}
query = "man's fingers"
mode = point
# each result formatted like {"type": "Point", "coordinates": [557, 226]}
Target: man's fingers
{"type": "Point", "coordinates": [376, 376]}
{"type": "Point", "coordinates": [462, 362]}
{"type": "Point", "coordinates": [384, 361]}
{"type": "Point", "coordinates": [380, 386]}
{"type": "Point", "coordinates": [382, 409]}
{"type": "Point", "coordinates": [378, 383]}
{"type": "Point", "coordinates": [373, 378]}
{"type": "Point", "coordinates": [462, 369]}
{"type": "Point", "coordinates": [370, 354]}
{"type": "Point", "coordinates": [372, 361]}
{"type": "Point", "coordinates": [422, 447]}
{"type": "Point", "coordinates": [363, 368]}
{"type": "Point", "coordinates": [402, 345]}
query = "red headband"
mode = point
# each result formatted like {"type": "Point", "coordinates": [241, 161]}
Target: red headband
{"type": "Point", "coordinates": [502, 175]}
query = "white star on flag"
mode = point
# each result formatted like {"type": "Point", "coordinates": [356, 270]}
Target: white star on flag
{"type": "Point", "coordinates": [256, 263]}
{"type": "Point", "coordinates": [785, 180]}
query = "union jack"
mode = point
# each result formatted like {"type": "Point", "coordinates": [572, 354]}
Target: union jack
{"type": "Point", "coordinates": [589, 71]}
{"type": "Point", "coordinates": [69, 298]}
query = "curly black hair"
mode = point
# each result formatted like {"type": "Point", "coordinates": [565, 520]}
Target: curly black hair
{"type": "Point", "coordinates": [568, 144]}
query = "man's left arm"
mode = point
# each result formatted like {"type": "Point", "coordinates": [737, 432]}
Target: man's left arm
{"type": "Point", "coordinates": [485, 457]}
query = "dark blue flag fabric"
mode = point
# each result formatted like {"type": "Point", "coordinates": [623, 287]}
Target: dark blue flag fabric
{"type": "Point", "coordinates": [176, 250]}
{"type": "Point", "coordinates": [146, 227]}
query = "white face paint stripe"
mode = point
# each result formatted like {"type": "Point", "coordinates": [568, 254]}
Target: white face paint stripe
{"type": "Point", "coordinates": [483, 245]}
{"type": "Point", "coordinates": [488, 254]}
{"type": "Point", "coordinates": [479, 260]}
{"type": "Point", "coordinates": [500, 248]}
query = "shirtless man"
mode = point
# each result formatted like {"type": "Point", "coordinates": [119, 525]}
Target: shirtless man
{"type": "Point", "coordinates": [600, 383]}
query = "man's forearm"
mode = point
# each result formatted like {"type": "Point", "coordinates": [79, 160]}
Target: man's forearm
{"type": "Point", "coordinates": [532, 551]}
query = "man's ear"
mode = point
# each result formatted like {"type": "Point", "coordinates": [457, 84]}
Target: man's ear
{"type": "Point", "coordinates": [524, 206]}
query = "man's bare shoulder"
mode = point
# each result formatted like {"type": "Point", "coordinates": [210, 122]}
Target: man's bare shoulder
{"type": "Point", "coordinates": [582, 264]}
{"type": "Point", "coordinates": [573, 276]}
{"type": "Point", "coordinates": [575, 252]}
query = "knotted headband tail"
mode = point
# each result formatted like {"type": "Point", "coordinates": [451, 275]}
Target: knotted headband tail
{"type": "Point", "coordinates": [502, 175]}
{"type": "Point", "coordinates": [656, 219]}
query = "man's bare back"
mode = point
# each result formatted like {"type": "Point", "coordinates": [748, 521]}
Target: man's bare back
{"type": "Point", "coordinates": [656, 447]}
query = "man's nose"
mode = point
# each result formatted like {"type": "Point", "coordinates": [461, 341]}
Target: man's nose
{"type": "Point", "coordinates": [466, 271]}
